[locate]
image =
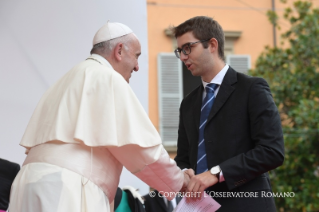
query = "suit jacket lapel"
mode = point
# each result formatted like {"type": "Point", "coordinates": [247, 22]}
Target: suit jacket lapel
{"type": "Point", "coordinates": [197, 106]}
{"type": "Point", "coordinates": [161, 202]}
{"type": "Point", "coordinates": [224, 92]}
{"type": "Point", "coordinates": [178, 199]}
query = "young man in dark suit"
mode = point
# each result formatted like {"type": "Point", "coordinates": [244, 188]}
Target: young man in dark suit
{"type": "Point", "coordinates": [229, 129]}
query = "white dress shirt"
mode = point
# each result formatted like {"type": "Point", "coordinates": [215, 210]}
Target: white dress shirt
{"type": "Point", "coordinates": [218, 79]}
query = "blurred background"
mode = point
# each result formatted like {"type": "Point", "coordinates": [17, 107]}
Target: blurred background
{"type": "Point", "coordinates": [274, 39]}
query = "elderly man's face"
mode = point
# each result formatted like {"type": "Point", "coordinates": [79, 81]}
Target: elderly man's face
{"type": "Point", "coordinates": [130, 59]}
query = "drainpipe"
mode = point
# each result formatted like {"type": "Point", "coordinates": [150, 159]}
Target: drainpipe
{"type": "Point", "coordinates": [274, 26]}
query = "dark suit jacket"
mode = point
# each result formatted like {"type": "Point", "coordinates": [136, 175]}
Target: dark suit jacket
{"type": "Point", "coordinates": [243, 136]}
{"type": "Point", "coordinates": [8, 172]}
{"type": "Point", "coordinates": [156, 203]}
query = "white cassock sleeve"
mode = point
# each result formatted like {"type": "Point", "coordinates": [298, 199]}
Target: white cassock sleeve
{"type": "Point", "coordinates": [152, 165]}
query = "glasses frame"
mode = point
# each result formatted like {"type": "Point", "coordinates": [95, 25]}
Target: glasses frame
{"type": "Point", "coordinates": [179, 51]}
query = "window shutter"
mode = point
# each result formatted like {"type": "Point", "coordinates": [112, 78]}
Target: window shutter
{"type": "Point", "coordinates": [170, 93]}
{"type": "Point", "coordinates": [240, 63]}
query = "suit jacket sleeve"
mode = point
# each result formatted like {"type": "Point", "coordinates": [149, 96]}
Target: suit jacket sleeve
{"type": "Point", "coordinates": [266, 134]}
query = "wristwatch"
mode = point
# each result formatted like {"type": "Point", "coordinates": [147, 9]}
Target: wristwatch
{"type": "Point", "coordinates": [215, 171]}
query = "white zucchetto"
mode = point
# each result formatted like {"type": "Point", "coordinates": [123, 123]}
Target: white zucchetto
{"type": "Point", "coordinates": [110, 31]}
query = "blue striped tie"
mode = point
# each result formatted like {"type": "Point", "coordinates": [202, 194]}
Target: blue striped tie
{"type": "Point", "coordinates": [206, 107]}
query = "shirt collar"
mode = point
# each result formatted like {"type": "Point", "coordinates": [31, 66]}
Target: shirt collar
{"type": "Point", "coordinates": [218, 79]}
{"type": "Point", "coordinates": [101, 59]}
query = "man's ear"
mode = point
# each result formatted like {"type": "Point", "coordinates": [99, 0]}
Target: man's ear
{"type": "Point", "coordinates": [118, 51]}
{"type": "Point", "coordinates": [213, 45]}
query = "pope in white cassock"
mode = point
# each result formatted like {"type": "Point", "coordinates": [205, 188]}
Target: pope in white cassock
{"type": "Point", "coordinates": [85, 128]}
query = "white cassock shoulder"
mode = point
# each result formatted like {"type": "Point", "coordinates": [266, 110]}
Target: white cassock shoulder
{"type": "Point", "coordinates": [94, 105]}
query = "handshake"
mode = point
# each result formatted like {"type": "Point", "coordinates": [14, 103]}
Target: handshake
{"type": "Point", "coordinates": [197, 183]}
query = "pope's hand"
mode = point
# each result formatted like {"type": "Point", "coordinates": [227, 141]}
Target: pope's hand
{"type": "Point", "coordinates": [188, 174]}
{"type": "Point", "coordinates": [200, 182]}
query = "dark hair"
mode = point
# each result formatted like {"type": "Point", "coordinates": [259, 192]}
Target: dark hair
{"type": "Point", "coordinates": [203, 28]}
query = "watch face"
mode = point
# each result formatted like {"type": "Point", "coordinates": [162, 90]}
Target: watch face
{"type": "Point", "coordinates": [215, 170]}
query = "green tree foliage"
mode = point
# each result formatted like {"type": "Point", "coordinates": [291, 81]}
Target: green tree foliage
{"type": "Point", "coordinates": [293, 76]}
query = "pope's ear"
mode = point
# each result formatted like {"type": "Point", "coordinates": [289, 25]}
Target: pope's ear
{"type": "Point", "coordinates": [118, 51]}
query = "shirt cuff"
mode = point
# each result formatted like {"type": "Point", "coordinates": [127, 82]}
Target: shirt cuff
{"type": "Point", "coordinates": [221, 177]}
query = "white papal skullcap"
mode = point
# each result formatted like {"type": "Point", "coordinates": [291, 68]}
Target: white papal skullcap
{"type": "Point", "coordinates": [110, 31]}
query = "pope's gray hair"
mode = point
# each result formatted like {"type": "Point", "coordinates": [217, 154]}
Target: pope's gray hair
{"type": "Point", "coordinates": [107, 47]}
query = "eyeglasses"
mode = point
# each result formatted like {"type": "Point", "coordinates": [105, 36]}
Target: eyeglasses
{"type": "Point", "coordinates": [186, 48]}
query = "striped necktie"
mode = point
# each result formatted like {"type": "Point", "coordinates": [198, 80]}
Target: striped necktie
{"type": "Point", "coordinates": [205, 110]}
